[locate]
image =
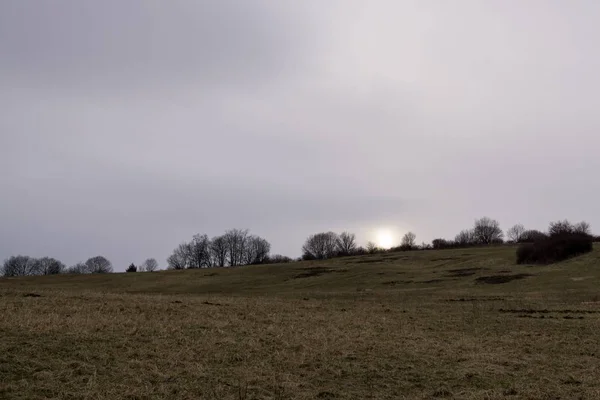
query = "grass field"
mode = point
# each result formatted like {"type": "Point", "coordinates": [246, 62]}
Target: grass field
{"type": "Point", "coordinates": [464, 324]}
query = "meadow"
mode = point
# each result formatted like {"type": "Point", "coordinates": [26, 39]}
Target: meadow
{"type": "Point", "coordinates": [462, 324]}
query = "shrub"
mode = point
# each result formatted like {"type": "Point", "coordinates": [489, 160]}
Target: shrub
{"type": "Point", "coordinates": [557, 247]}
{"type": "Point", "coordinates": [131, 268]}
{"type": "Point", "coordinates": [531, 236]}
{"type": "Point", "coordinates": [525, 254]}
{"type": "Point", "coordinates": [360, 251]}
{"type": "Point", "coordinates": [279, 259]}
{"type": "Point", "coordinates": [439, 244]}
{"type": "Point", "coordinates": [402, 247]}
{"type": "Point", "coordinates": [425, 246]}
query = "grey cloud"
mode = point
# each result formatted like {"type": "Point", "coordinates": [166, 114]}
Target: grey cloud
{"type": "Point", "coordinates": [128, 126]}
{"type": "Point", "coordinates": [132, 45]}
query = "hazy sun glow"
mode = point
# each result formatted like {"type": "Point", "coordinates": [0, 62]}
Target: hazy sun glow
{"type": "Point", "coordinates": [385, 239]}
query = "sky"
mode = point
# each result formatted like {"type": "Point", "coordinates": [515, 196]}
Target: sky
{"type": "Point", "coordinates": [127, 126]}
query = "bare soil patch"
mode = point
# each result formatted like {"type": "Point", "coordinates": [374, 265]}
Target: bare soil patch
{"type": "Point", "coordinates": [394, 283]}
{"type": "Point", "coordinates": [470, 299]}
{"type": "Point", "coordinates": [317, 271]}
{"type": "Point", "coordinates": [460, 272]}
{"type": "Point", "coordinates": [546, 311]}
{"type": "Point", "coordinates": [497, 279]}
{"type": "Point", "coordinates": [432, 281]}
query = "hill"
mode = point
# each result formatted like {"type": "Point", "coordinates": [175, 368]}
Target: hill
{"type": "Point", "coordinates": [465, 323]}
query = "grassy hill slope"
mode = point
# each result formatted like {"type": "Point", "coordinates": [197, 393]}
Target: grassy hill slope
{"type": "Point", "coordinates": [464, 323]}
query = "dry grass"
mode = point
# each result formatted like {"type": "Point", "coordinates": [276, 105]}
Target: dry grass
{"type": "Point", "coordinates": [333, 330]}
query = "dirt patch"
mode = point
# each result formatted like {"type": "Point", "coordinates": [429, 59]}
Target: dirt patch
{"type": "Point", "coordinates": [445, 259]}
{"type": "Point", "coordinates": [32, 295]}
{"type": "Point", "coordinates": [373, 261]}
{"type": "Point", "coordinates": [496, 279]}
{"type": "Point", "coordinates": [505, 271]}
{"type": "Point", "coordinates": [326, 395]}
{"type": "Point", "coordinates": [571, 381]}
{"type": "Point", "coordinates": [394, 283]}
{"type": "Point", "coordinates": [432, 281]}
{"type": "Point", "coordinates": [211, 274]}
{"type": "Point", "coordinates": [546, 311]}
{"type": "Point", "coordinates": [544, 316]}
{"type": "Point", "coordinates": [208, 303]}
{"type": "Point", "coordinates": [453, 273]}
{"type": "Point", "coordinates": [395, 258]}
{"type": "Point", "coordinates": [442, 393]}
{"type": "Point", "coordinates": [468, 299]}
{"type": "Point", "coordinates": [317, 271]}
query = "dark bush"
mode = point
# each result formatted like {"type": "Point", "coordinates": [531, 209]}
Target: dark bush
{"type": "Point", "coordinates": [531, 236]}
{"type": "Point", "coordinates": [557, 247]}
{"type": "Point", "coordinates": [360, 251]}
{"type": "Point", "coordinates": [525, 254]}
{"type": "Point", "coordinates": [131, 268]}
{"type": "Point", "coordinates": [439, 244]}
{"type": "Point", "coordinates": [403, 247]}
{"type": "Point", "coordinates": [278, 259]}
{"type": "Point", "coordinates": [425, 246]}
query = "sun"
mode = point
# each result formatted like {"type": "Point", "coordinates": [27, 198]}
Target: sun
{"type": "Point", "coordinates": [384, 239]}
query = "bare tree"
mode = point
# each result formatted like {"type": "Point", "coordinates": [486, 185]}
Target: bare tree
{"type": "Point", "coordinates": [465, 238]}
{"type": "Point", "coordinates": [583, 227]}
{"type": "Point", "coordinates": [256, 250]}
{"type": "Point", "coordinates": [346, 243]}
{"type": "Point", "coordinates": [19, 266]}
{"type": "Point", "coordinates": [372, 248]}
{"type": "Point", "coordinates": [320, 246]}
{"type": "Point", "coordinates": [25, 265]}
{"type": "Point", "coordinates": [180, 257]}
{"type": "Point", "coordinates": [487, 231]}
{"type": "Point", "coordinates": [53, 266]}
{"type": "Point", "coordinates": [98, 265]}
{"type": "Point", "coordinates": [218, 250]}
{"type": "Point", "coordinates": [150, 265]}
{"type": "Point", "coordinates": [560, 227]}
{"type": "Point", "coordinates": [199, 251]}
{"type": "Point", "coordinates": [409, 241]}
{"type": "Point", "coordinates": [515, 234]}
{"type": "Point", "coordinates": [79, 268]}
{"type": "Point", "coordinates": [236, 240]}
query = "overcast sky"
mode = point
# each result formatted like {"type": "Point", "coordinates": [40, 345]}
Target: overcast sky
{"type": "Point", "coordinates": [126, 126]}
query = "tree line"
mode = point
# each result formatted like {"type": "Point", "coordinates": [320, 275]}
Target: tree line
{"type": "Point", "coordinates": [237, 247]}
{"type": "Point", "coordinates": [28, 266]}
{"type": "Point", "coordinates": [485, 232]}
{"type": "Point", "coordinates": [234, 248]}
{"type": "Point", "coordinates": [562, 241]}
